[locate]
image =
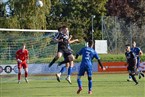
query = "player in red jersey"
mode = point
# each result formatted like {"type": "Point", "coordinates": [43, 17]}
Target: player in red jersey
{"type": "Point", "coordinates": [22, 56]}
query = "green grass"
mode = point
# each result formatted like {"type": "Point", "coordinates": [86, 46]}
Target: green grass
{"type": "Point", "coordinates": [104, 85]}
{"type": "Point", "coordinates": [104, 58]}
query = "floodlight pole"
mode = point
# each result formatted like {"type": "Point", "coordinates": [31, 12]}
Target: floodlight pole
{"type": "Point", "coordinates": [92, 21]}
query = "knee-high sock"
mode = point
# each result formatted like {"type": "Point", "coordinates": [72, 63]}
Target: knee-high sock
{"type": "Point", "coordinates": [63, 69]}
{"type": "Point", "coordinates": [79, 83]}
{"type": "Point", "coordinates": [26, 74]}
{"type": "Point", "coordinates": [133, 77]}
{"type": "Point", "coordinates": [90, 85]}
{"type": "Point", "coordinates": [52, 62]}
{"type": "Point", "coordinates": [19, 76]}
{"type": "Point", "coordinates": [70, 71]}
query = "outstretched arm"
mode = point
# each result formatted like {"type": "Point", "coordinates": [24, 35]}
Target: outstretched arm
{"type": "Point", "coordinates": [101, 64]}
{"type": "Point", "coordinates": [72, 41]}
{"type": "Point", "coordinates": [58, 40]}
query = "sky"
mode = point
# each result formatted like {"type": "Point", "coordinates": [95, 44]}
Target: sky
{"type": "Point", "coordinates": [3, 0]}
{"type": "Point", "coordinates": [7, 7]}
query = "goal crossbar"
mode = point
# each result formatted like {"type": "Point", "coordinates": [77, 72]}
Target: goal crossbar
{"type": "Point", "coordinates": [27, 30]}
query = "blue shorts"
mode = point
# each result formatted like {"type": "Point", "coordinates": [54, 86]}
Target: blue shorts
{"type": "Point", "coordinates": [84, 69]}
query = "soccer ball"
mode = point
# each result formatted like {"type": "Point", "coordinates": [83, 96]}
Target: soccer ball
{"type": "Point", "coordinates": [39, 3]}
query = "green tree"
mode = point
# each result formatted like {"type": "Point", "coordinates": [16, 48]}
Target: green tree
{"type": "Point", "coordinates": [30, 15]}
{"type": "Point", "coordinates": [76, 14]}
{"type": "Point", "coordinates": [132, 11]}
{"type": "Point", "coordinates": [24, 14]}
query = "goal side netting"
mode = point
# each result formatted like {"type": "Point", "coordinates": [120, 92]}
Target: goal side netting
{"type": "Point", "coordinates": [38, 42]}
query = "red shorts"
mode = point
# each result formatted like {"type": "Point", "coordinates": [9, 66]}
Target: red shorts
{"type": "Point", "coordinates": [23, 64]}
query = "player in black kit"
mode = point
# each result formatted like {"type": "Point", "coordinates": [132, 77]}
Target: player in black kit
{"type": "Point", "coordinates": [62, 40]}
{"type": "Point", "coordinates": [131, 61]}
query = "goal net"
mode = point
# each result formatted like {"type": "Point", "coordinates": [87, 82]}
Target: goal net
{"type": "Point", "coordinates": [38, 42]}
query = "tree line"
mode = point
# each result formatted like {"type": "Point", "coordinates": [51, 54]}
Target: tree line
{"type": "Point", "coordinates": [76, 14]}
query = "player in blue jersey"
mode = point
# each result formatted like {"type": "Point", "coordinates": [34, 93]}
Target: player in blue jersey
{"type": "Point", "coordinates": [131, 61]}
{"type": "Point", "coordinates": [88, 53]}
{"type": "Point", "coordinates": [138, 52]}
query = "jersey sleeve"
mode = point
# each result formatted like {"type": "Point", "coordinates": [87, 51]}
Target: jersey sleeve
{"type": "Point", "coordinates": [139, 49]}
{"type": "Point", "coordinates": [56, 36]}
{"type": "Point", "coordinates": [80, 52]}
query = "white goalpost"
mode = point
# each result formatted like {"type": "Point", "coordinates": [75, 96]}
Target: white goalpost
{"type": "Point", "coordinates": [27, 30]}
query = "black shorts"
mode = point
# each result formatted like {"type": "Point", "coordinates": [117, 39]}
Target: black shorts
{"type": "Point", "coordinates": [60, 50]}
{"type": "Point", "coordinates": [68, 57]}
{"type": "Point", "coordinates": [65, 51]}
{"type": "Point", "coordinates": [66, 54]}
{"type": "Point", "coordinates": [131, 69]}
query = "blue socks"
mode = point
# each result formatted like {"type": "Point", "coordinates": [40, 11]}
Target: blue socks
{"type": "Point", "coordinates": [63, 69]}
{"type": "Point", "coordinates": [69, 71]}
{"type": "Point", "coordinates": [79, 83]}
{"type": "Point", "coordinates": [90, 85]}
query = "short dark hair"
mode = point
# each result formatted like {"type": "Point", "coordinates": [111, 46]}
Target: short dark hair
{"type": "Point", "coordinates": [64, 27]}
{"type": "Point", "coordinates": [90, 43]}
{"type": "Point", "coordinates": [59, 28]}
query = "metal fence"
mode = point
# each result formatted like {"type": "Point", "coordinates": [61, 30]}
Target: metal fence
{"type": "Point", "coordinates": [118, 33]}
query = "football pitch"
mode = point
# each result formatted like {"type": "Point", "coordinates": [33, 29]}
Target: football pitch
{"type": "Point", "coordinates": [104, 85]}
